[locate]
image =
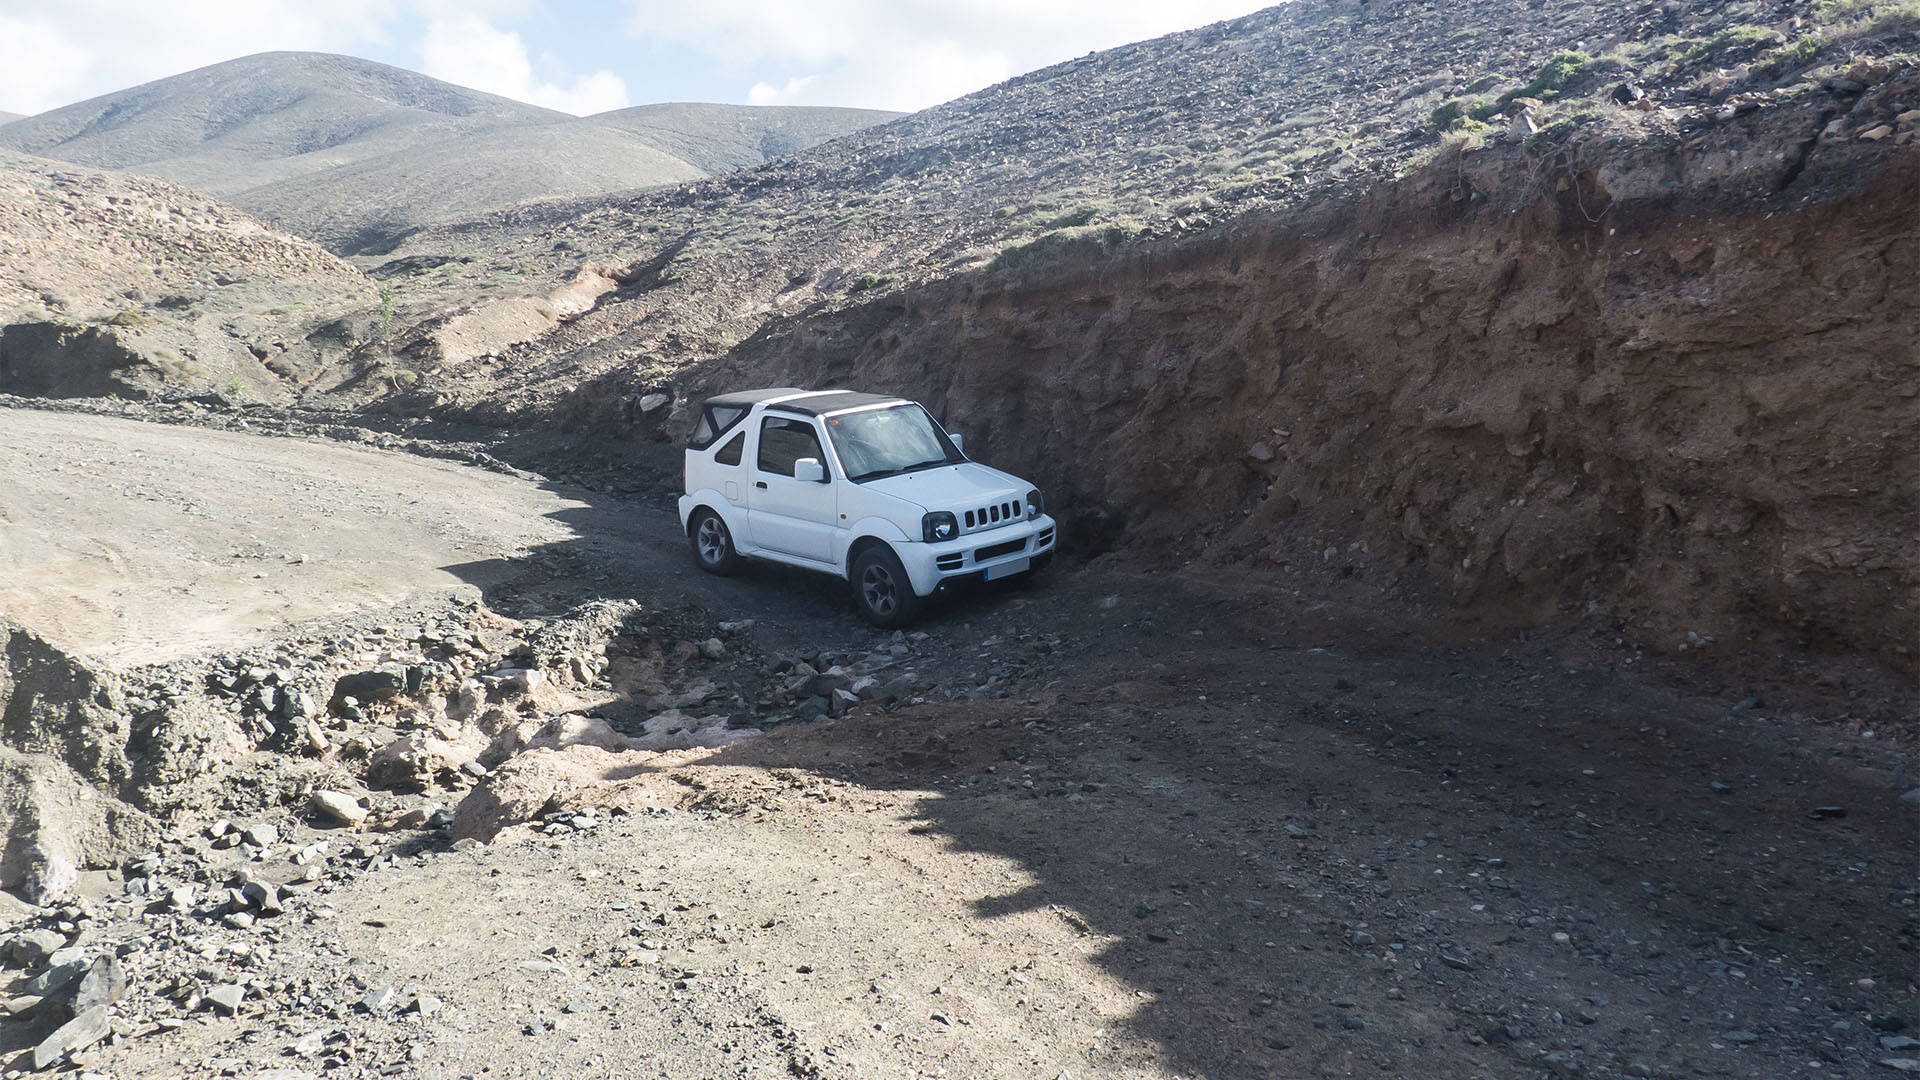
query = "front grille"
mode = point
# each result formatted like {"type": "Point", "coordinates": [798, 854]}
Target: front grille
{"type": "Point", "coordinates": [950, 562]}
{"type": "Point", "coordinates": [994, 515]}
{"type": "Point", "coordinates": [994, 551]}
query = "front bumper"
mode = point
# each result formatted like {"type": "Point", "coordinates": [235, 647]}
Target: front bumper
{"type": "Point", "coordinates": [928, 565]}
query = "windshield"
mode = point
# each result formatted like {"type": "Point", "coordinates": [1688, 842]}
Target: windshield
{"type": "Point", "coordinates": [889, 441]}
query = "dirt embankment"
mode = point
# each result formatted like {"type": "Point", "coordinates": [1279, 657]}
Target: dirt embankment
{"type": "Point", "coordinates": [1671, 379]}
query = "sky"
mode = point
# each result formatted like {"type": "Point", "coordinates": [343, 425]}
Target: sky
{"type": "Point", "coordinates": [589, 56]}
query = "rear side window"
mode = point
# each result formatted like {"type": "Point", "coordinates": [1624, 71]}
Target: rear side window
{"type": "Point", "coordinates": [785, 440]}
{"type": "Point", "coordinates": [715, 421]}
{"type": "Point", "coordinates": [730, 453]}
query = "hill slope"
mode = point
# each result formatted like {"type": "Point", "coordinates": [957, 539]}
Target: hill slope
{"type": "Point", "coordinates": [350, 152]}
{"type": "Point", "coordinates": [368, 204]}
{"type": "Point", "coordinates": [723, 138]}
{"type": "Point", "coordinates": [8, 117]}
{"type": "Point", "coordinates": [236, 125]}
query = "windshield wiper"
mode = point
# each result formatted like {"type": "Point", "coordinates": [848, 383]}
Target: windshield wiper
{"type": "Point", "coordinates": [881, 474]}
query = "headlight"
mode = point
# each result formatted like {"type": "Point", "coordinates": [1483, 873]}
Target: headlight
{"type": "Point", "coordinates": [1036, 505]}
{"type": "Point", "coordinates": [938, 526]}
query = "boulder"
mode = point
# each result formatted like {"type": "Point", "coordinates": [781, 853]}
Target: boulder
{"type": "Point", "coordinates": [337, 806]}
{"type": "Point", "coordinates": [379, 684]}
{"type": "Point", "coordinates": [529, 785]}
{"type": "Point", "coordinates": [575, 730]}
{"type": "Point", "coordinates": [82, 1031]}
{"type": "Point", "coordinates": [104, 983]}
{"type": "Point", "coordinates": [415, 762]}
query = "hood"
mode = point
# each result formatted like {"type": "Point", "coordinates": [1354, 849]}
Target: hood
{"type": "Point", "coordinates": [958, 488]}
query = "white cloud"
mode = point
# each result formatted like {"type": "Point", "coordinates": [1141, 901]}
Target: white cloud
{"type": "Point", "coordinates": [464, 47]}
{"type": "Point", "coordinates": [39, 68]}
{"type": "Point", "coordinates": [53, 52]}
{"type": "Point", "coordinates": [907, 54]}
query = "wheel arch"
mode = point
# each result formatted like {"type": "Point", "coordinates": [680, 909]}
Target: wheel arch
{"type": "Point", "coordinates": [701, 503]}
{"type": "Point", "coordinates": [860, 545]}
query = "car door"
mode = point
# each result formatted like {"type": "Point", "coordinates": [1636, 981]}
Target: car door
{"type": "Point", "coordinates": [797, 517]}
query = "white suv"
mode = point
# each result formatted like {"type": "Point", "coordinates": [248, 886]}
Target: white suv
{"type": "Point", "coordinates": [863, 486]}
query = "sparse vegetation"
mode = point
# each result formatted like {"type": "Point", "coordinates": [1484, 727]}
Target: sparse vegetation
{"type": "Point", "coordinates": [1739, 39]}
{"type": "Point", "coordinates": [1548, 83]}
{"type": "Point", "coordinates": [1061, 241]}
{"type": "Point", "coordinates": [1458, 116]}
{"type": "Point", "coordinates": [127, 319]}
{"type": "Point", "coordinates": [868, 282]}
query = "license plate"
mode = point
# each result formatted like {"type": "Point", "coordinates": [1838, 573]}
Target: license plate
{"type": "Point", "coordinates": [1007, 569]}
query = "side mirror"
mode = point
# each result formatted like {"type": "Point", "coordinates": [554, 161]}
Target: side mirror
{"type": "Point", "coordinates": [958, 443]}
{"type": "Point", "coordinates": [809, 470]}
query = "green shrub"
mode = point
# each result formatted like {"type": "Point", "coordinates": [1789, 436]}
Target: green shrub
{"type": "Point", "coordinates": [1791, 58]}
{"type": "Point", "coordinates": [127, 318]}
{"type": "Point", "coordinates": [866, 282]}
{"type": "Point", "coordinates": [1547, 84]}
{"type": "Point", "coordinates": [1047, 246]}
{"type": "Point", "coordinates": [1462, 115]}
{"type": "Point", "coordinates": [1740, 38]}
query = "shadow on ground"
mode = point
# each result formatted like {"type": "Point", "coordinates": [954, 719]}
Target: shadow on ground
{"type": "Point", "coordinates": [1312, 862]}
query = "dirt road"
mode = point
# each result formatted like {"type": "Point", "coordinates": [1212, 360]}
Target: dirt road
{"type": "Point", "coordinates": [1131, 824]}
{"type": "Point", "coordinates": [142, 543]}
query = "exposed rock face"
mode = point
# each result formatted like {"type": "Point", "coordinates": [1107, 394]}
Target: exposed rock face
{"type": "Point", "coordinates": [63, 768]}
{"type": "Point", "coordinates": [1676, 378]}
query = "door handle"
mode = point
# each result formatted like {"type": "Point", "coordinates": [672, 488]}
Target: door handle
{"type": "Point", "coordinates": [761, 484]}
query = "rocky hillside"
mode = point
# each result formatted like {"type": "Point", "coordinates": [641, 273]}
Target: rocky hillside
{"type": "Point", "coordinates": [354, 153]}
{"type": "Point", "coordinates": [724, 138]}
{"type": "Point", "coordinates": [1170, 255]}
{"type": "Point", "coordinates": [8, 118]}
{"type": "Point", "coordinates": [114, 284]}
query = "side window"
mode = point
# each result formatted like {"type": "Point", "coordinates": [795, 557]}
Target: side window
{"type": "Point", "coordinates": [784, 441]}
{"type": "Point", "coordinates": [730, 453]}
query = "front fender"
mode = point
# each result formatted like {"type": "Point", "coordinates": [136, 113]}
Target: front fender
{"type": "Point", "coordinates": [877, 527]}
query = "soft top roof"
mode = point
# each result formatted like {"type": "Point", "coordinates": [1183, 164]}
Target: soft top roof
{"type": "Point", "coordinates": [753, 397]}
{"type": "Point", "coordinates": [836, 401]}
{"type": "Point", "coordinates": [805, 402]}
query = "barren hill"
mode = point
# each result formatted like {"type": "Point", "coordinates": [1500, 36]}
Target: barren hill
{"type": "Point", "coordinates": [8, 117]}
{"type": "Point", "coordinates": [368, 205]}
{"type": "Point", "coordinates": [354, 153]}
{"type": "Point", "coordinates": [237, 125]}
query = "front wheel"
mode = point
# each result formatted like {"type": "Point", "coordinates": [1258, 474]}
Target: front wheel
{"type": "Point", "coordinates": [712, 544]}
{"type": "Point", "coordinates": [881, 590]}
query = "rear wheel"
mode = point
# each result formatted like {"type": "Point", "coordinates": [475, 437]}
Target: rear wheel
{"type": "Point", "coordinates": [881, 590]}
{"type": "Point", "coordinates": [712, 544]}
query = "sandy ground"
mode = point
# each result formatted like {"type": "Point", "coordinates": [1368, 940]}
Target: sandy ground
{"type": "Point", "coordinates": [142, 543]}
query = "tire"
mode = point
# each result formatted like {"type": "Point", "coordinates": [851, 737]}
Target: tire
{"type": "Point", "coordinates": [881, 590]}
{"type": "Point", "coordinates": [712, 544]}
